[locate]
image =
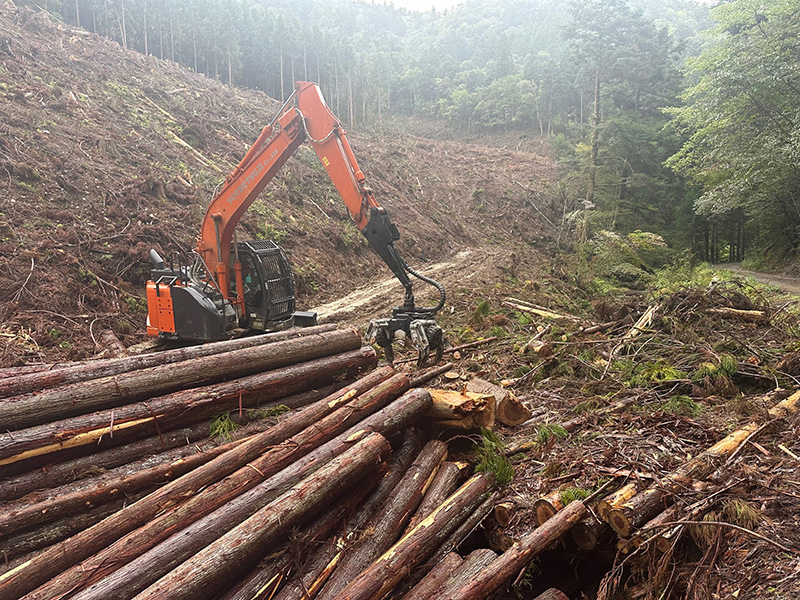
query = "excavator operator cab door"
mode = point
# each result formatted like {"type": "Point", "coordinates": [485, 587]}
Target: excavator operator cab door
{"type": "Point", "coordinates": [268, 286]}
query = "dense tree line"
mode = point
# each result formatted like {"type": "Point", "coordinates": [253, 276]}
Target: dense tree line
{"type": "Point", "coordinates": [596, 78]}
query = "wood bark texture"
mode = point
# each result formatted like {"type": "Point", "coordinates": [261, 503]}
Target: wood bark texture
{"type": "Point", "coordinates": [435, 579]}
{"type": "Point", "coordinates": [18, 412]}
{"type": "Point", "coordinates": [520, 554]}
{"type": "Point", "coordinates": [205, 573]}
{"type": "Point", "coordinates": [378, 580]}
{"type": "Point", "coordinates": [24, 380]}
{"type": "Point", "coordinates": [174, 410]}
{"type": "Point", "coordinates": [387, 523]}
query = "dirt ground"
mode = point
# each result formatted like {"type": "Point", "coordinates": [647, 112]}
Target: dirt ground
{"type": "Point", "coordinates": [94, 178]}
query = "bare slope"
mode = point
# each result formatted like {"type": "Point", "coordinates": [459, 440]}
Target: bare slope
{"type": "Point", "coordinates": [96, 173]}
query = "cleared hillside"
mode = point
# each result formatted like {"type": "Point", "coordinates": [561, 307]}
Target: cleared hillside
{"type": "Point", "coordinates": [106, 153]}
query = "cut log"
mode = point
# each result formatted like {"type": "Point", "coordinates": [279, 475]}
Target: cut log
{"type": "Point", "coordinates": [206, 572]}
{"type": "Point", "coordinates": [552, 594]}
{"type": "Point", "coordinates": [546, 507]}
{"type": "Point", "coordinates": [434, 580]}
{"type": "Point", "coordinates": [61, 473]}
{"type": "Point", "coordinates": [377, 580]}
{"type": "Point", "coordinates": [48, 405]}
{"type": "Point", "coordinates": [590, 533]}
{"type": "Point", "coordinates": [264, 580]}
{"type": "Point", "coordinates": [473, 565]}
{"type": "Point", "coordinates": [39, 377]}
{"type": "Point", "coordinates": [72, 551]}
{"type": "Point", "coordinates": [520, 554]}
{"type": "Point", "coordinates": [111, 345]}
{"type": "Point", "coordinates": [510, 411]}
{"type": "Point", "coordinates": [431, 373]}
{"type": "Point", "coordinates": [449, 476]}
{"type": "Point", "coordinates": [466, 410]}
{"type": "Point", "coordinates": [736, 314]}
{"type": "Point", "coordinates": [179, 408]}
{"type": "Point", "coordinates": [616, 498]}
{"type": "Point", "coordinates": [387, 523]}
{"type": "Point", "coordinates": [473, 521]}
{"type": "Point", "coordinates": [51, 533]}
{"type": "Point", "coordinates": [50, 505]}
{"type": "Point", "coordinates": [647, 504]}
{"type": "Point", "coordinates": [503, 511]}
{"type": "Point", "coordinates": [307, 584]}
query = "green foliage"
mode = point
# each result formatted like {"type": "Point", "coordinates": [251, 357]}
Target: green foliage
{"type": "Point", "coordinates": [222, 426]}
{"type": "Point", "coordinates": [680, 405]}
{"type": "Point", "coordinates": [740, 120]}
{"type": "Point", "coordinates": [491, 458]}
{"type": "Point", "coordinates": [654, 372]}
{"type": "Point", "coordinates": [547, 431]}
{"type": "Point", "coordinates": [572, 494]}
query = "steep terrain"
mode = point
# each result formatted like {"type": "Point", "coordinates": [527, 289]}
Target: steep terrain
{"type": "Point", "coordinates": [106, 153]}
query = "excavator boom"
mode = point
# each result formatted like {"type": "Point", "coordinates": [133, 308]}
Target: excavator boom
{"type": "Point", "coordinates": [217, 281]}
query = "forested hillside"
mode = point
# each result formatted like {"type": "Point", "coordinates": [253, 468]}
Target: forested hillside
{"type": "Point", "coordinates": [627, 92]}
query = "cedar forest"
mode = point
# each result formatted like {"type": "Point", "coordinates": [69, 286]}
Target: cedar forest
{"type": "Point", "coordinates": [666, 115]}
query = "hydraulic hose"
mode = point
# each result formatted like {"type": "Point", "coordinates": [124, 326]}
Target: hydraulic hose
{"type": "Point", "coordinates": [429, 281]}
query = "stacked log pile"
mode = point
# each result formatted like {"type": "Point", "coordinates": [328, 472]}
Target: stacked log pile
{"type": "Point", "coordinates": [114, 488]}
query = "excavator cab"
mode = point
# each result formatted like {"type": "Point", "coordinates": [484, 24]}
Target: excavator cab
{"type": "Point", "coordinates": [183, 304]}
{"type": "Point", "coordinates": [268, 286]}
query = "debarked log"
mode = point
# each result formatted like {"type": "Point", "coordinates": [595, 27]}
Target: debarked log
{"type": "Point", "coordinates": [18, 412]}
{"type": "Point", "coordinates": [178, 408]}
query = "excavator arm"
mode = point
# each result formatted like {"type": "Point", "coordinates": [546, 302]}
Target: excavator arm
{"type": "Point", "coordinates": [306, 117]}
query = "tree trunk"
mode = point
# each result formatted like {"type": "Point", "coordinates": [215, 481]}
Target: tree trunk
{"type": "Point", "coordinates": [447, 479]}
{"type": "Point", "coordinates": [36, 509]}
{"type": "Point", "coordinates": [590, 533]}
{"type": "Point", "coordinates": [520, 554]}
{"type": "Point", "coordinates": [434, 580]}
{"type": "Point", "coordinates": [38, 377]}
{"type": "Point", "coordinates": [52, 533]}
{"type": "Point", "coordinates": [69, 400]}
{"type": "Point", "coordinates": [387, 523]}
{"type": "Point", "coordinates": [205, 572]}
{"type": "Point", "coordinates": [473, 565]}
{"type": "Point", "coordinates": [176, 409]}
{"type": "Point", "coordinates": [306, 585]}
{"type": "Point", "coordinates": [81, 546]}
{"type": "Point", "coordinates": [595, 141]}
{"type": "Point", "coordinates": [375, 582]}
{"type": "Point", "coordinates": [481, 511]}
{"type": "Point", "coordinates": [236, 484]}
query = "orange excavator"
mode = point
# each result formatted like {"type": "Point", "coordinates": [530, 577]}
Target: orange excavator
{"type": "Point", "coordinates": [249, 285]}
